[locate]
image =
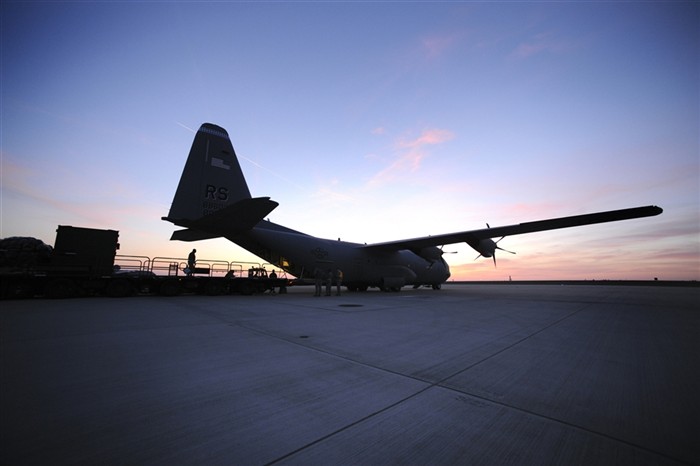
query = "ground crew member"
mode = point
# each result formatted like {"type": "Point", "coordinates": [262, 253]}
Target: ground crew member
{"type": "Point", "coordinates": [191, 262]}
{"type": "Point", "coordinates": [338, 281]}
{"type": "Point", "coordinates": [318, 278]}
{"type": "Point", "coordinates": [273, 276]}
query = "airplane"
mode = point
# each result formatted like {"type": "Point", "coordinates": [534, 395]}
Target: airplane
{"type": "Point", "coordinates": [213, 200]}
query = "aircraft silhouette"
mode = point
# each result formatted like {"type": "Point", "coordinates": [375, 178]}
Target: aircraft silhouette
{"type": "Point", "coordinates": [213, 200]}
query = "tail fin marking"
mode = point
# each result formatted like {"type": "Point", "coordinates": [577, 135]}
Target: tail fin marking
{"type": "Point", "coordinates": [212, 178]}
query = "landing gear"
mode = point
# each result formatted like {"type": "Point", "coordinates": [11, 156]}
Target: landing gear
{"type": "Point", "coordinates": [391, 284]}
{"type": "Point", "coordinates": [394, 289]}
{"type": "Point", "coordinates": [355, 287]}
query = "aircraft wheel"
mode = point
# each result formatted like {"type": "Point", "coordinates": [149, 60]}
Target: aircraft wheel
{"type": "Point", "coordinates": [437, 286]}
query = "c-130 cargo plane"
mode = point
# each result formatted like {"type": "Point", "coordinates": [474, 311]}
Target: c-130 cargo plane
{"type": "Point", "coordinates": [213, 200]}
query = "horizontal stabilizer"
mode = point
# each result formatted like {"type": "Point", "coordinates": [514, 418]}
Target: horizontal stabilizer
{"type": "Point", "coordinates": [229, 221]}
{"type": "Point", "coordinates": [192, 235]}
{"type": "Point", "coordinates": [239, 217]}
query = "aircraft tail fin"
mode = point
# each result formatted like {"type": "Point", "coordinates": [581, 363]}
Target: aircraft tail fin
{"type": "Point", "coordinates": [212, 178]}
{"type": "Point", "coordinates": [212, 198]}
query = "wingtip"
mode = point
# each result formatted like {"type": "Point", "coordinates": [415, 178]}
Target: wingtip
{"type": "Point", "coordinates": [652, 210]}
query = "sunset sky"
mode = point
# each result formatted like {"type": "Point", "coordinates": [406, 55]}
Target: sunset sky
{"type": "Point", "coordinates": [367, 122]}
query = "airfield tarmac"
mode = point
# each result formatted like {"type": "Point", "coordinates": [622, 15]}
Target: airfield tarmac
{"type": "Point", "coordinates": [471, 374]}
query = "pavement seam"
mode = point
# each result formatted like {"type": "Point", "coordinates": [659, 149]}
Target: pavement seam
{"type": "Point", "coordinates": [440, 384]}
{"type": "Point", "coordinates": [564, 423]}
{"type": "Point", "coordinates": [533, 413]}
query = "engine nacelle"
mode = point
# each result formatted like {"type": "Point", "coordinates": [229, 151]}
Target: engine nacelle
{"type": "Point", "coordinates": [485, 247]}
{"type": "Point", "coordinates": [432, 253]}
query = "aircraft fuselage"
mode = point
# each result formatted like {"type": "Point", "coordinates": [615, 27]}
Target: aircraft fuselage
{"type": "Point", "coordinates": [300, 255]}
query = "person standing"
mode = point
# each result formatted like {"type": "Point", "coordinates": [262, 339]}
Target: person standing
{"type": "Point", "coordinates": [338, 281]}
{"type": "Point", "coordinates": [318, 278]}
{"type": "Point", "coordinates": [191, 262]}
{"type": "Point", "coordinates": [273, 276]}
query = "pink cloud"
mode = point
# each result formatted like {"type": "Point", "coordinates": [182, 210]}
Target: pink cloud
{"type": "Point", "coordinates": [428, 137]}
{"type": "Point", "coordinates": [527, 50]}
{"type": "Point", "coordinates": [435, 46]}
{"type": "Point", "coordinates": [411, 153]}
{"type": "Point", "coordinates": [538, 44]}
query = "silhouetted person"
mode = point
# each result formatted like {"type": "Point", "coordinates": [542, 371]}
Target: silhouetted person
{"type": "Point", "coordinates": [273, 276]}
{"type": "Point", "coordinates": [338, 281]}
{"type": "Point", "coordinates": [318, 279]}
{"type": "Point", "coordinates": [191, 261]}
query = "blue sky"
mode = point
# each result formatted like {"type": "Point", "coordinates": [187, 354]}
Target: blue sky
{"type": "Point", "coordinates": [366, 121]}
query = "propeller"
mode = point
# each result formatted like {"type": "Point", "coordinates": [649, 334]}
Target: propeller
{"type": "Point", "coordinates": [500, 248]}
{"type": "Point", "coordinates": [431, 255]}
{"type": "Point", "coordinates": [487, 248]}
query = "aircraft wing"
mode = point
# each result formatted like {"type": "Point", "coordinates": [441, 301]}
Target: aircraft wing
{"type": "Point", "coordinates": [474, 236]}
